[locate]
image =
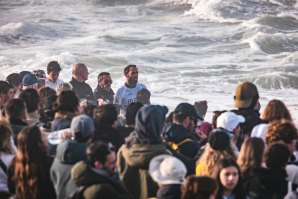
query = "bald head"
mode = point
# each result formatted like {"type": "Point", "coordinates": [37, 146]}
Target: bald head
{"type": "Point", "coordinates": [80, 72]}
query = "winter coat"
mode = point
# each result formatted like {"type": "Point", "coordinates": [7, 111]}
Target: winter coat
{"type": "Point", "coordinates": [82, 89]}
{"type": "Point", "coordinates": [97, 183]}
{"type": "Point", "coordinates": [263, 183]}
{"type": "Point", "coordinates": [188, 145]}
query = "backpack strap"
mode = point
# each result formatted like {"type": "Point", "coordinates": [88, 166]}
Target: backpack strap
{"type": "Point", "coordinates": [176, 146]}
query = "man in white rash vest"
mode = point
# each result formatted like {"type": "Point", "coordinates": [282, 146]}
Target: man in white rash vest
{"type": "Point", "coordinates": [127, 93]}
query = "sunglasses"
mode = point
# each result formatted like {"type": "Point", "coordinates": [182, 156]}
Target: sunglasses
{"type": "Point", "coordinates": [108, 81]}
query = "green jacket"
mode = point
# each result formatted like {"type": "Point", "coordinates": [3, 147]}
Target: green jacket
{"type": "Point", "coordinates": [99, 184]}
{"type": "Point", "coordinates": [133, 164]}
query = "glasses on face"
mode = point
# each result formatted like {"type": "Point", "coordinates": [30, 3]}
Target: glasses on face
{"type": "Point", "coordinates": [108, 81]}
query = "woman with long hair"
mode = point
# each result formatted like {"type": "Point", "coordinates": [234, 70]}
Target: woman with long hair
{"type": "Point", "coordinates": [251, 156]}
{"type": "Point", "coordinates": [275, 110]}
{"type": "Point", "coordinates": [7, 153]}
{"type": "Point", "coordinates": [29, 176]}
{"type": "Point", "coordinates": [228, 177]}
{"type": "Point", "coordinates": [218, 148]}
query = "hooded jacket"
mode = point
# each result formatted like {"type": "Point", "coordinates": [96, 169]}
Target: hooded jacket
{"type": "Point", "coordinates": [188, 144]}
{"type": "Point", "coordinates": [140, 147]}
{"type": "Point", "coordinates": [98, 183]}
{"type": "Point", "coordinates": [68, 153]}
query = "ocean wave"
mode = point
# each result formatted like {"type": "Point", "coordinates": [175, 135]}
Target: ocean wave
{"type": "Point", "coordinates": [235, 10]}
{"type": "Point", "coordinates": [274, 43]}
{"type": "Point", "coordinates": [12, 32]}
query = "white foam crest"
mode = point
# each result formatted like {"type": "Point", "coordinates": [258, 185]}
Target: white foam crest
{"type": "Point", "coordinates": [26, 29]}
{"type": "Point", "coordinates": [207, 9]}
{"type": "Point", "coordinates": [170, 2]}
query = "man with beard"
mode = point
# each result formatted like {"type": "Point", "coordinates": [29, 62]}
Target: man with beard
{"type": "Point", "coordinates": [98, 177]}
{"type": "Point", "coordinates": [103, 93]}
{"type": "Point", "coordinates": [128, 92]}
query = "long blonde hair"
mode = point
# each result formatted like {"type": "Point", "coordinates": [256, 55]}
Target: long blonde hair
{"type": "Point", "coordinates": [211, 158]}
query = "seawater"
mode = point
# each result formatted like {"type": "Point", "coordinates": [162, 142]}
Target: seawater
{"type": "Point", "coordinates": [186, 50]}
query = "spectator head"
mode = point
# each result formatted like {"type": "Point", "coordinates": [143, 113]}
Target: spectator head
{"type": "Point", "coordinates": [228, 177]}
{"type": "Point", "coordinates": [31, 99]}
{"type": "Point", "coordinates": [276, 110]}
{"type": "Point", "coordinates": [149, 123]}
{"type": "Point", "coordinates": [15, 80]}
{"type": "Point", "coordinates": [105, 114]}
{"type": "Point", "coordinates": [53, 70]}
{"type": "Point", "coordinates": [15, 109]}
{"type": "Point", "coordinates": [132, 74]}
{"type": "Point", "coordinates": [143, 96]}
{"type": "Point", "coordinates": [41, 76]}
{"type": "Point", "coordinates": [6, 92]}
{"type": "Point", "coordinates": [80, 72]}
{"type": "Point", "coordinates": [82, 127]}
{"type": "Point", "coordinates": [199, 187]}
{"type": "Point", "coordinates": [229, 121]}
{"type": "Point", "coordinates": [282, 131]}
{"type": "Point", "coordinates": [63, 87]}
{"type": "Point", "coordinates": [251, 154]}
{"type": "Point", "coordinates": [246, 95]}
{"type": "Point", "coordinates": [104, 80]}
{"type": "Point", "coordinates": [186, 115]}
{"type": "Point", "coordinates": [66, 101]}
{"type": "Point", "coordinates": [102, 156]}
{"type": "Point", "coordinates": [44, 93]}
{"type": "Point", "coordinates": [277, 155]}
{"type": "Point", "coordinates": [23, 73]}
{"type": "Point", "coordinates": [167, 169]}
{"type": "Point", "coordinates": [219, 140]}
{"type": "Point", "coordinates": [5, 138]}
{"type": "Point", "coordinates": [131, 113]}
{"type": "Point", "coordinates": [30, 81]}
{"type": "Point", "coordinates": [216, 114]}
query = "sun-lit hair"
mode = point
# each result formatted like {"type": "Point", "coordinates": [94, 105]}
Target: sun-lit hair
{"type": "Point", "coordinates": [30, 163]}
{"type": "Point", "coordinates": [211, 157]}
{"type": "Point", "coordinates": [283, 130]}
{"type": "Point", "coordinates": [251, 155]}
{"type": "Point", "coordinates": [276, 110]}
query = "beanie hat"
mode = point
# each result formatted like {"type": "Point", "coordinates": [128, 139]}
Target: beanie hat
{"type": "Point", "coordinates": [219, 140]}
{"type": "Point", "coordinates": [244, 94]}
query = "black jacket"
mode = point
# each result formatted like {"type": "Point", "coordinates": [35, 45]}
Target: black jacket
{"type": "Point", "coordinates": [82, 89]}
{"type": "Point", "coordinates": [264, 183]}
{"type": "Point", "coordinates": [107, 96]}
{"type": "Point", "coordinates": [171, 191]}
{"type": "Point", "coordinates": [188, 144]}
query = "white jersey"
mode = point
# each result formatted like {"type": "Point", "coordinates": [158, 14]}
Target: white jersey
{"type": "Point", "coordinates": [125, 95]}
{"type": "Point", "coordinates": [52, 85]}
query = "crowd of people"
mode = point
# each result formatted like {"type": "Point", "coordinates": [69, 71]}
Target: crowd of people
{"type": "Point", "coordinates": [63, 140]}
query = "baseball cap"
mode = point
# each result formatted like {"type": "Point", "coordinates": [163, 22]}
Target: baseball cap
{"type": "Point", "coordinates": [244, 94]}
{"type": "Point", "coordinates": [83, 124]}
{"type": "Point", "coordinates": [166, 169]}
{"type": "Point", "coordinates": [30, 79]}
{"type": "Point", "coordinates": [229, 121]}
{"type": "Point", "coordinates": [186, 109]}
